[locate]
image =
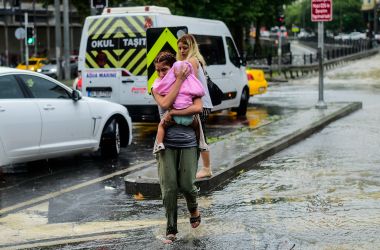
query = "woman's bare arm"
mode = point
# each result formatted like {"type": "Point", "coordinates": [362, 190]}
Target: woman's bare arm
{"type": "Point", "coordinates": [194, 63]}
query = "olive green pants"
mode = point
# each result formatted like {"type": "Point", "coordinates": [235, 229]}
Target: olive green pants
{"type": "Point", "coordinates": [176, 170]}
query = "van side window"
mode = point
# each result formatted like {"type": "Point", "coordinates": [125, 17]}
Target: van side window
{"type": "Point", "coordinates": [232, 52]}
{"type": "Point", "coordinates": [212, 49]}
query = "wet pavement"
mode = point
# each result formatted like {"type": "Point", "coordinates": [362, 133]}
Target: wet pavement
{"type": "Point", "coordinates": [243, 149]}
{"type": "Point", "coordinates": [322, 193]}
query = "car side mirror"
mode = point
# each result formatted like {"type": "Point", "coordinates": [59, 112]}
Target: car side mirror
{"type": "Point", "coordinates": [243, 61]}
{"type": "Point", "coordinates": [76, 95]}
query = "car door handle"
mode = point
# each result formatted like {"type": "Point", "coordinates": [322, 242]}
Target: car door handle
{"type": "Point", "coordinates": [224, 73]}
{"type": "Point", "coordinates": [49, 107]}
{"type": "Point", "coordinates": [2, 109]}
{"type": "Point", "coordinates": [127, 81]}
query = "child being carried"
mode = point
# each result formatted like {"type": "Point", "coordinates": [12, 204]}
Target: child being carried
{"type": "Point", "coordinates": [191, 88]}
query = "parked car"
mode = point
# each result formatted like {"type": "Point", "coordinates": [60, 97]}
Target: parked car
{"type": "Point", "coordinates": [34, 63]}
{"type": "Point", "coordinates": [51, 69]}
{"type": "Point", "coordinates": [357, 35]}
{"type": "Point", "coordinates": [256, 82]}
{"type": "Point", "coordinates": [377, 38]}
{"type": "Point", "coordinates": [42, 118]}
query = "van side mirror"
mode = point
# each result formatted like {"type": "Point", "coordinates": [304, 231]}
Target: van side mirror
{"type": "Point", "coordinates": [76, 95]}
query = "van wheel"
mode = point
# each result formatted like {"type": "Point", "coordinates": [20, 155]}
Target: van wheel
{"type": "Point", "coordinates": [110, 140]}
{"type": "Point", "coordinates": [242, 109]}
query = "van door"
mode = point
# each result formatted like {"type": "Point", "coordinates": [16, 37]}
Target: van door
{"type": "Point", "coordinates": [213, 50]}
{"type": "Point", "coordinates": [236, 73]}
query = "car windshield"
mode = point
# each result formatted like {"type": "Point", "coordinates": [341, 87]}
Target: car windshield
{"type": "Point", "coordinates": [32, 62]}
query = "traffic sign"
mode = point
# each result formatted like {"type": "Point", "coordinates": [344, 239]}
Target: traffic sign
{"type": "Point", "coordinates": [20, 33]}
{"type": "Point", "coordinates": [99, 4]}
{"type": "Point", "coordinates": [321, 10]}
{"type": "Point", "coordinates": [158, 40]}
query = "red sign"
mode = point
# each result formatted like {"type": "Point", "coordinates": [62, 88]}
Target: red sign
{"type": "Point", "coordinates": [321, 10]}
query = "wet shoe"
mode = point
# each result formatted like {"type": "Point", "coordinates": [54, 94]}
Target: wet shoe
{"type": "Point", "coordinates": [204, 173]}
{"type": "Point", "coordinates": [158, 148]}
{"type": "Point", "coordinates": [169, 239]}
{"type": "Point", "coordinates": [195, 221]}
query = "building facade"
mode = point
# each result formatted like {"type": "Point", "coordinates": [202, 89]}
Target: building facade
{"type": "Point", "coordinates": [42, 19]}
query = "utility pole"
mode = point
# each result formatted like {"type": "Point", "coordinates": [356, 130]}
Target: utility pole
{"type": "Point", "coordinates": [6, 36]}
{"type": "Point", "coordinates": [66, 38]}
{"type": "Point", "coordinates": [47, 32]}
{"type": "Point", "coordinates": [26, 40]}
{"type": "Point", "coordinates": [21, 46]}
{"type": "Point", "coordinates": [35, 28]}
{"type": "Point", "coordinates": [375, 18]}
{"type": "Point", "coordinates": [321, 103]}
{"type": "Point", "coordinates": [58, 36]}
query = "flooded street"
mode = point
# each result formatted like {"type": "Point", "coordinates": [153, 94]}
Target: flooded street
{"type": "Point", "coordinates": [321, 193]}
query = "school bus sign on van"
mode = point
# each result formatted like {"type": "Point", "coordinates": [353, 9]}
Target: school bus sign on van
{"type": "Point", "coordinates": [117, 42]}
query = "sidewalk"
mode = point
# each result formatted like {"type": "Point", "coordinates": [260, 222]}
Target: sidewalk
{"type": "Point", "coordinates": [242, 151]}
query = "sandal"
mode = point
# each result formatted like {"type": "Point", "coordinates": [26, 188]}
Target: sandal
{"type": "Point", "coordinates": [158, 148]}
{"type": "Point", "coordinates": [194, 220]}
{"type": "Point", "coordinates": [169, 239]}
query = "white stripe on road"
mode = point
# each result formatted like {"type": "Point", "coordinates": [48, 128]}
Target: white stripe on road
{"type": "Point", "coordinates": [72, 188]}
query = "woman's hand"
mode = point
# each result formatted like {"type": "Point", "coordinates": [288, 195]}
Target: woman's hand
{"type": "Point", "coordinates": [182, 73]}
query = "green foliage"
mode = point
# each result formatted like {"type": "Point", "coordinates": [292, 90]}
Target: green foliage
{"type": "Point", "coordinates": [347, 16]}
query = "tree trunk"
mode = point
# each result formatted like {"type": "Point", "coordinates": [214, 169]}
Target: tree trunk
{"type": "Point", "coordinates": [257, 48]}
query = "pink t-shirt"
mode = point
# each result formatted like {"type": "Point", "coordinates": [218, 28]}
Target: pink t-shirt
{"type": "Point", "coordinates": [190, 88]}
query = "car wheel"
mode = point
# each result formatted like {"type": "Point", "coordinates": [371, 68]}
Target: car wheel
{"type": "Point", "coordinates": [111, 141]}
{"type": "Point", "coordinates": [242, 109]}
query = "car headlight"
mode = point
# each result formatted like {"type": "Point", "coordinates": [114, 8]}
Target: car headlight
{"type": "Point", "coordinates": [39, 70]}
{"type": "Point", "coordinates": [53, 70]}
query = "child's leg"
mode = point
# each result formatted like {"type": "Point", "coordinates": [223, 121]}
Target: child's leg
{"type": "Point", "coordinates": [160, 132]}
{"type": "Point", "coordinates": [159, 145]}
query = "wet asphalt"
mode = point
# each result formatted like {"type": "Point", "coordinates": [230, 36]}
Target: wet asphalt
{"type": "Point", "coordinates": [322, 193]}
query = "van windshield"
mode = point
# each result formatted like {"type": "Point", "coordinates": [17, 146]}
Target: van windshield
{"type": "Point", "coordinates": [117, 42]}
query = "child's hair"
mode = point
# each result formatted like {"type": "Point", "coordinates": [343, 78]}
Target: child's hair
{"type": "Point", "coordinates": [165, 57]}
{"type": "Point", "coordinates": [190, 41]}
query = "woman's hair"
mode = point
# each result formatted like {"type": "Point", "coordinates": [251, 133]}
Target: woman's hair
{"type": "Point", "coordinates": [166, 57]}
{"type": "Point", "coordinates": [190, 41]}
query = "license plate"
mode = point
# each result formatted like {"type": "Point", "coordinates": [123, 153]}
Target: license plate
{"type": "Point", "coordinates": [106, 94]}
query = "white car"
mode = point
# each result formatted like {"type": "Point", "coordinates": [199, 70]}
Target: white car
{"type": "Point", "coordinates": [42, 118]}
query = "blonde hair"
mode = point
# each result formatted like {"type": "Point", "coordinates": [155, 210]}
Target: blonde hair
{"type": "Point", "coordinates": [190, 41]}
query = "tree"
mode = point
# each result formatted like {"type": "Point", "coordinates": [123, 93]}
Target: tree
{"type": "Point", "coordinates": [347, 15]}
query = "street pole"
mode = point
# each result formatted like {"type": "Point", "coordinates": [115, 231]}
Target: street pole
{"type": "Point", "coordinates": [66, 38]}
{"type": "Point", "coordinates": [375, 20]}
{"type": "Point", "coordinates": [6, 36]}
{"type": "Point", "coordinates": [26, 40]}
{"type": "Point", "coordinates": [279, 51]}
{"type": "Point", "coordinates": [321, 104]}
{"type": "Point", "coordinates": [58, 37]}
{"type": "Point", "coordinates": [35, 28]}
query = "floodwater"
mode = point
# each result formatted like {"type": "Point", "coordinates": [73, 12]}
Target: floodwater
{"type": "Point", "coordinates": [322, 193]}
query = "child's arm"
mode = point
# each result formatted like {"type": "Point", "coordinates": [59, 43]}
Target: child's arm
{"type": "Point", "coordinates": [195, 108]}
